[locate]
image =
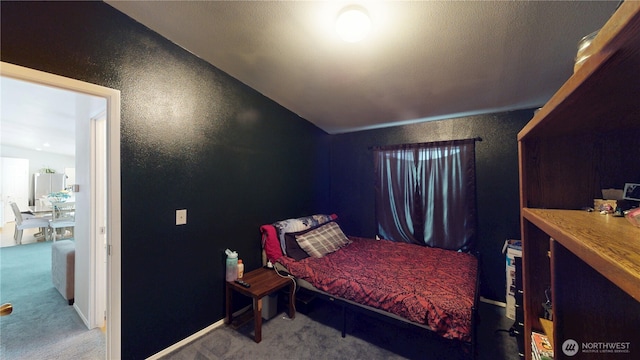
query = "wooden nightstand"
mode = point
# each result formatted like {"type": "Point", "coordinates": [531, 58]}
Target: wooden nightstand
{"type": "Point", "coordinates": [263, 282]}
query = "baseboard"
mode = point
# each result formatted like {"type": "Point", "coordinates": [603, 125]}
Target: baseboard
{"type": "Point", "coordinates": [493, 302]}
{"type": "Point", "coordinates": [82, 317]}
{"type": "Point", "coordinates": [185, 341]}
{"type": "Point", "coordinates": [193, 337]}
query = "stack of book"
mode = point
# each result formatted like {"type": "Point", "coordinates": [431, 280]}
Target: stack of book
{"type": "Point", "coordinates": [541, 346]}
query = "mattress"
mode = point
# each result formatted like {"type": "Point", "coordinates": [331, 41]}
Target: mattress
{"type": "Point", "coordinates": [428, 286]}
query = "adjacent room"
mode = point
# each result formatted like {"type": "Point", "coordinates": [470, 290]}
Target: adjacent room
{"type": "Point", "coordinates": [40, 229]}
{"type": "Point", "coordinates": [253, 136]}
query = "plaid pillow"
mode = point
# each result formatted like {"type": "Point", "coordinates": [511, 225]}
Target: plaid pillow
{"type": "Point", "coordinates": [299, 224]}
{"type": "Point", "coordinates": [322, 240]}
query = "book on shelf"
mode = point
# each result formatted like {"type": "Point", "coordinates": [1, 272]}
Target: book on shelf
{"type": "Point", "coordinates": [541, 346]}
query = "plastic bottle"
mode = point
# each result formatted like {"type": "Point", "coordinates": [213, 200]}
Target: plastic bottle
{"type": "Point", "coordinates": [232, 265]}
{"type": "Point", "coordinates": [240, 269]}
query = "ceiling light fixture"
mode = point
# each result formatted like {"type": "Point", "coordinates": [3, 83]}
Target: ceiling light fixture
{"type": "Point", "coordinates": [353, 23]}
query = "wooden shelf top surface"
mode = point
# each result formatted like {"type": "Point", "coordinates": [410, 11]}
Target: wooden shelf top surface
{"type": "Point", "coordinates": [610, 245]}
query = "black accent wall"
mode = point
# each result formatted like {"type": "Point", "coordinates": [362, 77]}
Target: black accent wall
{"type": "Point", "coordinates": [352, 180]}
{"type": "Point", "coordinates": [192, 138]}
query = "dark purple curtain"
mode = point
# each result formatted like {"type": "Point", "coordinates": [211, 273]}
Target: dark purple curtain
{"type": "Point", "coordinates": [426, 193]}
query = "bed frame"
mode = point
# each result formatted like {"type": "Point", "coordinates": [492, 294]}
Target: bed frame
{"type": "Point", "coordinates": [345, 304]}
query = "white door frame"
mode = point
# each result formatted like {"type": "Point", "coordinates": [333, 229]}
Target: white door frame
{"type": "Point", "coordinates": [98, 226]}
{"type": "Point", "coordinates": [112, 96]}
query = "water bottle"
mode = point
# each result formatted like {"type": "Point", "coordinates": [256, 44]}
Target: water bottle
{"type": "Point", "coordinates": [232, 265]}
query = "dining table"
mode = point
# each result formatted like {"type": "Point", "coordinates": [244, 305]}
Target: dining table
{"type": "Point", "coordinates": [46, 210]}
{"type": "Point", "coordinates": [40, 209]}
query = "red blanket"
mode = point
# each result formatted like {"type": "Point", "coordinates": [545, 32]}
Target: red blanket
{"type": "Point", "coordinates": [430, 286]}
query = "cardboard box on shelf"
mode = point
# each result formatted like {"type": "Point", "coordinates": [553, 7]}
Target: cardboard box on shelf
{"type": "Point", "coordinates": [613, 194]}
{"type": "Point", "coordinates": [512, 249]}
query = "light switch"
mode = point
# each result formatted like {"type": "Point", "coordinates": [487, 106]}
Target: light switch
{"type": "Point", "coordinates": [181, 217]}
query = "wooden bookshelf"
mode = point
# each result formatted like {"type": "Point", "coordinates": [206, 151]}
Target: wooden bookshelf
{"type": "Point", "coordinates": [610, 245]}
{"type": "Point", "coordinates": [586, 138]}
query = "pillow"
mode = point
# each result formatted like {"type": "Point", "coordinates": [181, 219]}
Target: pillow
{"type": "Point", "coordinates": [287, 226]}
{"type": "Point", "coordinates": [322, 240]}
{"type": "Point", "coordinates": [299, 224]}
{"type": "Point", "coordinates": [270, 243]}
{"type": "Point", "coordinates": [294, 250]}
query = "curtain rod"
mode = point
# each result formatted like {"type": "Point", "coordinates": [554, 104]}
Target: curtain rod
{"type": "Point", "coordinates": [424, 144]}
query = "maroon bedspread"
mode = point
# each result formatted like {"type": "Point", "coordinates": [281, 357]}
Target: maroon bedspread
{"type": "Point", "coordinates": [430, 286]}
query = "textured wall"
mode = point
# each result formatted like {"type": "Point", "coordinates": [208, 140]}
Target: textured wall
{"type": "Point", "coordinates": [352, 180]}
{"type": "Point", "coordinates": [192, 137]}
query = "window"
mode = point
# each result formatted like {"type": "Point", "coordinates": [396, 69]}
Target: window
{"type": "Point", "coordinates": [426, 193]}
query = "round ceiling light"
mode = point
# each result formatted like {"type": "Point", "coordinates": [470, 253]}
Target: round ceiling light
{"type": "Point", "coordinates": [353, 23]}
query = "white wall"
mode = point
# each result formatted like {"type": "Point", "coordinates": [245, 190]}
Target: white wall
{"type": "Point", "coordinates": [38, 160]}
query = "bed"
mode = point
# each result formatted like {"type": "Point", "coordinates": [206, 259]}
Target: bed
{"type": "Point", "coordinates": [431, 288]}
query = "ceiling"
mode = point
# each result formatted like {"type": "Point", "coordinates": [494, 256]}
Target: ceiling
{"type": "Point", "coordinates": [42, 118]}
{"type": "Point", "coordinates": [424, 60]}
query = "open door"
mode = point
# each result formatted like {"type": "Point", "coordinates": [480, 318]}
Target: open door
{"type": "Point", "coordinates": [111, 196]}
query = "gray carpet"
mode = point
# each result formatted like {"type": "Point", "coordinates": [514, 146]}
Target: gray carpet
{"type": "Point", "coordinates": [316, 334]}
{"type": "Point", "coordinates": [42, 325]}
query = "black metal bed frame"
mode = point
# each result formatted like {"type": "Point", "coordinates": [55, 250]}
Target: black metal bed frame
{"type": "Point", "coordinates": [396, 320]}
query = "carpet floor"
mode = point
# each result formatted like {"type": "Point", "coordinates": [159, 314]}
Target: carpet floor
{"type": "Point", "coordinates": [316, 334]}
{"type": "Point", "coordinates": [42, 325]}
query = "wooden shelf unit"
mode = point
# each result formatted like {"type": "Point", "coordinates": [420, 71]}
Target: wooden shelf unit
{"type": "Point", "coordinates": [586, 138]}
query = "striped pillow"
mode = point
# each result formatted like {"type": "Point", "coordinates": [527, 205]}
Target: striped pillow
{"type": "Point", "coordinates": [322, 240]}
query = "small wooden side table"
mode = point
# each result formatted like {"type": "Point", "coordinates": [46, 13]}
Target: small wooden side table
{"type": "Point", "coordinates": [263, 282]}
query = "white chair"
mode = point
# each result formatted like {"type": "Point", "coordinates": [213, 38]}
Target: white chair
{"type": "Point", "coordinates": [63, 219]}
{"type": "Point", "coordinates": [25, 221]}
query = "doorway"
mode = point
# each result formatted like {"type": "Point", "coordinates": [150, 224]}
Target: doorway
{"type": "Point", "coordinates": [91, 249]}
